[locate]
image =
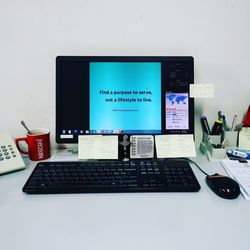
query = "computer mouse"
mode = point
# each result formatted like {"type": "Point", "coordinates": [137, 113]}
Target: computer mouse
{"type": "Point", "coordinates": [223, 186]}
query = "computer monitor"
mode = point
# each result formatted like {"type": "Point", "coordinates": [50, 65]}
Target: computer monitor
{"type": "Point", "coordinates": [121, 95]}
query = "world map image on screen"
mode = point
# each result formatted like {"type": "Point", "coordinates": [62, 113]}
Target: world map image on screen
{"type": "Point", "coordinates": [177, 98]}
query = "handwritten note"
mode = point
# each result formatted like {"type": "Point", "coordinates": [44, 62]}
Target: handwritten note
{"type": "Point", "coordinates": [201, 90]}
{"type": "Point", "coordinates": [244, 138]}
{"type": "Point", "coordinates": [97, 147]}
{"type": "Point", "coordinates": [173, 146]}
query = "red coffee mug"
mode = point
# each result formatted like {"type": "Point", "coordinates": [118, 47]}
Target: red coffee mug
{"type": "Point", "coordinates": [38, 144]}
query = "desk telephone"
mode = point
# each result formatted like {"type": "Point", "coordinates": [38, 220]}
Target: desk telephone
{"type": "Point", "coordinates": [10, 158]}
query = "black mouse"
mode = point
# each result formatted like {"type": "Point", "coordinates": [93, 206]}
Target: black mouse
{"type": "Point", "coordinates": [223, 186]}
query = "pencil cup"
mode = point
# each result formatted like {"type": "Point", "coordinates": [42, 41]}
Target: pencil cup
{"type": "Point", "coordinates": [217, 153]}
{"type": "Point", "coordinates": [208, 139]}
{"type": "Point", "coordinates": [231, 137]}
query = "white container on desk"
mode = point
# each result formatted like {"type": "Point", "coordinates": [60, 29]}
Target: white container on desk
{"type": "Point", "coordinates": [207, 148]}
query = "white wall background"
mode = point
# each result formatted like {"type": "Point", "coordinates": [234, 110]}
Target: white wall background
{"type": "Point", "coordinates": [32, 33]}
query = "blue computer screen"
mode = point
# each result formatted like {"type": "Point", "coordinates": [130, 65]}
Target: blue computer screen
{"type": "Point", "coordinates": [125, 97]}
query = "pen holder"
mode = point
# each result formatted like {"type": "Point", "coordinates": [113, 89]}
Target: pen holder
{"type": "Point", "coordinates": [215, 139]}
{"type": "Point", "coordinates": [231, 138]}
{"type": "Point", "coordinates": [216, 153]}
{"type": "Point", "coordinates": [209, 150]}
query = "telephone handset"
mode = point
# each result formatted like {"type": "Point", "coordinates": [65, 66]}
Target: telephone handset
{"type": "Point", "coordinates": [10, 158]}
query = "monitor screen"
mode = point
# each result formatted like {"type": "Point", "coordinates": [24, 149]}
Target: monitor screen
{"type": "Point", "coordinates": [122, 95]}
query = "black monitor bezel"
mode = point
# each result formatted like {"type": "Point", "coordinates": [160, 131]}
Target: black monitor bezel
{"type": "Point", "coordinates": [162, 59]}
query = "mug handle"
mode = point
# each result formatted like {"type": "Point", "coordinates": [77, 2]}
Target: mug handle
{"type": "Point", "coordinates": [17, 144]}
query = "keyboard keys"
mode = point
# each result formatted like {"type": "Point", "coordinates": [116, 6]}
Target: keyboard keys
{"type": "Point", "coordinates": [114, 176]}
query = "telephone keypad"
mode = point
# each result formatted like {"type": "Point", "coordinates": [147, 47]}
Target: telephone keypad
{"type": "Point", "coordinates": [10, 158]}
{"type": "Point", "coordinates": [6, 152]}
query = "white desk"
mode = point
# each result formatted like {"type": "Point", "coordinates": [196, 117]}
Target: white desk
{"type": "Point", "coordinates": [134, 221]}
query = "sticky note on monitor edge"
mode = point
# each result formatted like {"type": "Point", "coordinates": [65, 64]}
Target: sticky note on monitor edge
{"type": "Point", "coordinates": [201, 90]}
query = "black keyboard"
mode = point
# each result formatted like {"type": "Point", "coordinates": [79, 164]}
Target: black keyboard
{"type": "Point", "coordinates": [112, 177]}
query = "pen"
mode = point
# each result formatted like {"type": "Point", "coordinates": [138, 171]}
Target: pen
{"type": "Point", "coordinates": [204, 125]}
{"type": "Point", "coordinates": [217, 128]}
{"type": "Point", "coordinates": [239, 159]}
{"type": "Point", "coordinates": [238, 127]}
{"type": "Point", "coordinates": [224, 122]}
{"type": "Point", "coordinates": [219, 115]}
{"type": "Point", "coordinates": [234, 122]}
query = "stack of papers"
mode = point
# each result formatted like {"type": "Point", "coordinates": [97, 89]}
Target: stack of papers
{"type": "Point", "coordinates": [241, 173]}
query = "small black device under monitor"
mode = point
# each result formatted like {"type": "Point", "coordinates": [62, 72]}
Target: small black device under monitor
{"type": "Point", "coordinates": [123, 95]}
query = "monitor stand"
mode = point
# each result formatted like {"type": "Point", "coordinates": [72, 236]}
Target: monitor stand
{"type": "Point", "coordinates": [73, 150]}
{"type": "Point", "coordinates": [125, 144]}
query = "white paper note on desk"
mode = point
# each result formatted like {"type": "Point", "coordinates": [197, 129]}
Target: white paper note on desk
{"type": "Point", "coordinates": [97, 147]}
{"type": "Point", "coordinates": [201, 90]}
{"type": "Point", "coordinates": [171, 146]}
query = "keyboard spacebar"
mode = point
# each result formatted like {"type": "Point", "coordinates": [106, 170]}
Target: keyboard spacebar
{"type": "Point", "coordinates": [91, 189]}
{"type": "Point", "coordinates": [97, 186]}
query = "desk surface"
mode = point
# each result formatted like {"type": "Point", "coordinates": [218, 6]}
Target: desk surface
{"type": "Point", "coordinates": [122, 221]}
